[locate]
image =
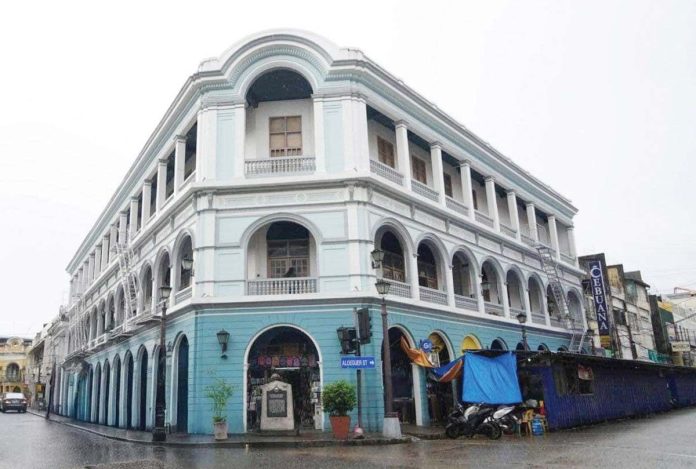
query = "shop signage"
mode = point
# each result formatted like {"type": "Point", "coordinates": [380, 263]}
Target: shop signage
{"type": "Point", "coordinates": [427, 345]}
{"type": "Point", "coordinates": [357, 362]}
{"type": "Point", "coordinates": [600, 301]}
{"type": "Point", "coordinates": [277, 403]}
{"type": "Point", "coordinates": [681, 347]}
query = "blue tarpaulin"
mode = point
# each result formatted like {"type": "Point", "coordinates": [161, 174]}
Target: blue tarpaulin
{"type": "Point", "coordinates": [491, 380]}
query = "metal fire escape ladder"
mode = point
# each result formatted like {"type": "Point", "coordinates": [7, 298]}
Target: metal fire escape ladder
{"type": "Point", "coordinates": [550, 267]}
{"type": "Point", "coordinates": [124, 251]}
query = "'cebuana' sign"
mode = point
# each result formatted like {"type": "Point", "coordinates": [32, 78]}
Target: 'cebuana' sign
{"type": "Point", "coordinates": [600, 301]}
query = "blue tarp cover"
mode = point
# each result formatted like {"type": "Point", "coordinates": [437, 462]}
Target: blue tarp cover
{"type": "Point", "coordinates": [491, 380]}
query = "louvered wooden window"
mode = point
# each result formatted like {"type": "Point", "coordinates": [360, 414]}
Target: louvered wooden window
{"type": "Point", "coordinates": [286, 136]}
{"type": "Point", "coordinates": [385, 152]}
{"type": "Point", "coordinates": [418, 170]}
{"type": "Point", "coordinates": [288, 258]}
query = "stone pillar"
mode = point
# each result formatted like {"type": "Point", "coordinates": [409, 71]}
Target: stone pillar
{"type": "Point", "coordinates": [105, 252]}
{"type": "Point", "coordinates": [85, 275]}
{"type": "Point", "coordinates": [113, 239]}
{"type": "Point", "coordinates": [161, 183]}
{"type": "Point", "coordinates": [438, 172]}
{"type": "Point", "coordinates": [147, 201]}
{"type": "Point", "coordinates": [133, 217]}
{"type": "Point", "coordinates": [505, 298]}
{"type": "Point", "coordinates": [97, 260]}
{"type": "Point", "coordinates": [553, 233]}
{"type": "Point", "coordinates": [122, 228]}
{"type": "Point", "coordinates": [90, 268]}
{"type": "Point", "coordinates": [413, 276]}
{"type": "Point", "coordinates": [514, 216]}
{"type": "Point", "coordinates": [467, 196]}
{"type": "Point", "coordinates": [531, 220]}
{"type": "Point", "coordinates": [449, 283]}
{"type": "Point", "coordinates": [319, 148]}
{"type": "Point", "coordinates": [527, 303]}
{"type": "Point", "coordinates": [239, 112]}
{"type": "Point", "coordinates": [571, 242]}
{"type": "Point", "coordinates": [179, 161]}
{"type": "Point", "coordinates": [402, 152]}
{"type": "Point", "coordinates": [492, 201]}
{"type": "Point", "coordinates": [479, 295]}
{"type": "Point", "coordinates": [355, 139]}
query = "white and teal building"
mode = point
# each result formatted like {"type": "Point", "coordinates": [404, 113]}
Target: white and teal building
{"type": "Point", "coordinates": [258, 199]}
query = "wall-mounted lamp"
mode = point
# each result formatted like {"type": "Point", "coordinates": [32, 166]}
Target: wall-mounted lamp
{"type": "Point", "coordinates": [223, 337]}
{"type": "Point", "coordinates": [165, 291]}
{"type": "Point", "coordinates": [187, 263]}
{"type": "Point", "coordinates": [377, 258]}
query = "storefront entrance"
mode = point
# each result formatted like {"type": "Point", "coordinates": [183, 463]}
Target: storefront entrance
{"type": "Point", "coordinates": [440, 395]}
{"type": "Point", "coordinates": [291, 354]}
{"type": "Point", "coordinates": [402, 378]}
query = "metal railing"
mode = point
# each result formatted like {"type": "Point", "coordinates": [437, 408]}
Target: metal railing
{"type": "Point", "coordinates": [456, 206]}
{"type": "Point", "coordinates": [399, 288]}
{"type": "Point", "coordinates": [433, 296]}
{"type": "Point", "coordinates": [386, 172]}
{"type": "Point", "coordinates": [282, 286]}
{"type": "Point", "coordinates": [465, 302]}
{"type": "Point", "coordinates": [484, 219]}
{"type": "Point", "coordinates": [493, 308]}
{"type": "Point", "coordinates": [280, 165]}
{"type": "Point", "coordinates": [423, 190]}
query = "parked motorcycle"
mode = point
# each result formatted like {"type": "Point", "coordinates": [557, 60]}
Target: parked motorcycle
{"type": "Point", "coordinates": [475, 420]}
{"type": "Point", "coordinates": [507, 417]}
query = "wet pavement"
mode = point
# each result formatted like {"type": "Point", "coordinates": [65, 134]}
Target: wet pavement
{"type": "Point", "coordinates": [664, 440]}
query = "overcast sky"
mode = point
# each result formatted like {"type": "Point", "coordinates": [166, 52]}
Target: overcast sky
{"type": "Point", "coordinates": [596, 98]}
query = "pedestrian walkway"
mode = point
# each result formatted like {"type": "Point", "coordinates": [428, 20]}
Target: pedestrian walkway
{"type": "Point", "coordinates": [306, 439]}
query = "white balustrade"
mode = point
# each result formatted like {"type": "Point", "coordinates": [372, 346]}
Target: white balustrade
{"type": "Point", "coordinates": [280, 165]}
{"type": "Point", "coordinates": [425, 191]}
{"type": "Point", "coordinates": [456, 206]}
{"type": "Point", "coordinates": [433, 296]}
{"type": "Point", "coordinates": [493, 308]}
{"type": "Point", "coordinates": [484, 219]}
{"type": "Point", "coordinates": [399, 288]}
{"type": "Point", "coordinates": [282, 286]}
{"type": "Point", "coordinates": [464, 302]}
{"type": "Point", "coordinates": [386, 172]}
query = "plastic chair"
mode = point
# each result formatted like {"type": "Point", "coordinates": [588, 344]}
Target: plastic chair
{"type": "Point", "coordinates": [527, 422]}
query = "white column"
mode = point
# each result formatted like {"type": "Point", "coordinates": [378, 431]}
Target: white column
{"type": "Point", "coordinates": [413, 272]}
{"type": "Point", "coordinates": [122, 225]}
{"type": "Point", "coordinates": [504, 297]}
{"type": "Point", "coordinates": [239, 111]}
{"type": "Point", "coordinates": [105, 252]}
{"type": "Point", "coordinates": [438, 173]}
{"type": "Point", "coordinates": [553, 231]}
{"type": "Point", "coordinates": [90, 276]}
{"type": "Point", "coordinates": [449, 283]}
{"type": "Point", "coordinates": [527, 303]}
{"type": "Point", "coordinates": [319, 149]}
{"type": "Point", "coordinates": [479, 295]}
{"type": "Point", "coordinates": [402, 152]}
{"type": "Point", "coordinates": [133, 217]}
{"type": "Point", "coordinates": [355, 145]}
{"type": "Point", "coordinates": [571, 242]}
{"type": "Point", "coordinates": [147, 201]}
{"type": "Point", "coordinates": [113, 239]}
{"type": "Point", "coordinates": [514, 216]}
{"type": "Point", "coordinates": [161, 183]}
{"type": "Point", "coordinates": [465, 170]}
{"type": "Point", "coordinates": [102, 401]}
{"type": "Point", "coordinates": [97, 260]}
{"type": "Point", "coordinates": [492, 201]}
{"type": "Point", "coordinates": [85, 275]}
{"type": "Point", "coordinates": [179, 161]}
{"type": "Point", "coordinates": [531, 220]}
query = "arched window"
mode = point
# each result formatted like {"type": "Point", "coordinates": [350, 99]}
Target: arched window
{"type": "Point", "coordinates": [536, 301]}
{"type": "Point", "coordinates": [111, 313]}
{"type": "Point", "coordinates": [12, 372]}
{"type": "Point", "coordinates": [515, 291]}
{"type": "Point", "coordinates": [490, 285]}
{"type": "Point", "coordinates": [164, 272]}
{"type": "Point", "coordinates": [427, 267]}
{"type": "Point", "coordinates": [463, 276]}
{"type": "Point", "coordinates": [185, 263]}
{"type": "Point", "coordinates": [498, 344]}
{"type": "Point", "coordinates": [393, 265]}
{"type": "Point", "coordinates": [287, 249]}
{"type": "Point", "coordinates": [146, 286]}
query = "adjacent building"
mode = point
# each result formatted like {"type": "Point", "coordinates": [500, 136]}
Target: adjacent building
{"type": "Point", "coordinates": [258, 200]}
{"type": "Point", "coordinates": [13, 364]}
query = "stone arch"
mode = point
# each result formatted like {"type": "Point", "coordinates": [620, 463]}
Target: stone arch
{"type": "Point", "coordinates": [516, 288]}
{"type": "Point", "coordinates": [183, 240]}
{"type": "Point", "coordinates": [429, 245]}
{"type": "Point", "coordinates": [543, 347]}
{"type": "Point", "coordinates": [146, 285]}
{"type": "Point", "coordinates": [575, 307]}
{"type": "Point", "coordinates": [492, 275]}
{"type": "Point", "coordinates": [470, 342]}
{"type": "Point", "coordinates": [179, 376]}
{"type": "Point", "coordinates": [399, 230]}
{"type": "Point", "coordinates": [499, 344]}
{"type": "Point", "coordinates": [465, 272]}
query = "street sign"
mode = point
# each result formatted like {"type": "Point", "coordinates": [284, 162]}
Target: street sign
{"type": "Point", "coordinates": [681, 347]}
{"type": "Point", "coordinates": [357, 363]}
{"type": "Point", "coordinates": [427, 345]}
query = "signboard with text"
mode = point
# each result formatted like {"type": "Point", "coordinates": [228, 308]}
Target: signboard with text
{"type": "Point", "coordinates": [357, 362]}
{"type": "Point", "coordinates": [600, 302]}
{"type": "Point", "coordinates": [681, 347]}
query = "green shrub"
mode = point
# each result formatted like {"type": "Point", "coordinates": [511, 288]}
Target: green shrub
{"type": "Point", "coordinates": [219, 392]}
{"type": "Point", "coordinates": [338, 398]}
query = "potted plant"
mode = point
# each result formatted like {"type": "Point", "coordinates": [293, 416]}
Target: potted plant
{"type": "Point", "coordinates": [338, 398]}
{"type": "Point", "coordinates": [219, 392]}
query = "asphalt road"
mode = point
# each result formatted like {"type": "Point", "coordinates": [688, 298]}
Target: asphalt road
{"type": "Point", "coordinates": [664, 440]}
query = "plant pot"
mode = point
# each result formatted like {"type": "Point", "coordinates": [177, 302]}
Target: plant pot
{"type": "Point", "coordinates": [340, 425]}
{"type": "Point", "coordinates": [220, 430]}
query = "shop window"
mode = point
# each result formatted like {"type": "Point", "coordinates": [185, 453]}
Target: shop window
{"type": "Point", "coordinates": [418, 170]}
{"type": "Point", "coordinates": [286, 136]}
{"type": "Point", "coordinates": [385, 152]}
{"type": "Point", "coordinates": [448, 185]}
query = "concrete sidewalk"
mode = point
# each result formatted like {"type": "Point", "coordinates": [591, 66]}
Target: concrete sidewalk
{"type": "Point", "coordinates": [309, 439]}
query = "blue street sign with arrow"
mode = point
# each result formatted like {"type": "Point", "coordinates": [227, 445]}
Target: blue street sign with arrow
{"type": "Point", "coordinates": [357, 362]}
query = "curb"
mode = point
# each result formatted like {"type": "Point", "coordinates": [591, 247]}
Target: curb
{"type": "Point", "coordinates": [238, 444]}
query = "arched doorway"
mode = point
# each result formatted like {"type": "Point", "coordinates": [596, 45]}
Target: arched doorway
{"type": "Point", "coordinates": [182, 386]}
{"type": "Point", "coordinates": [542, 348]}
{"type": "Point", "coordinates": [440, 395]}
{"type": "Point", "coordinates": [402, 378]}
{"type": "Point", "coordinates": [520, 347]}
{"type": "Point", "coordinates": [470, 342]}
{"type": "Point", "coordinates": [292, 354]}
{"type": "Point", "coordinates": [142, 400]}
{"type": "Point", "coordinates": [128, 398]}
{"type": "Point", "coordinates": [117, 390]}
{"type": "Point", "coordinates": [498, 344]}
{"type": "Point", "coordinates": [107, 386]}
{"type": "Point", "coordinates": [98, 393]}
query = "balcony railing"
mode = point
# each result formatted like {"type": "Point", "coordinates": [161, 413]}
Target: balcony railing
{"type": "Point", "coordinates": [484, 219]}
{"type": "Point", "coordinates": [433, 296]}
{"type": "Point", "coordinates": [456, 206]}
{"type": "Point", "coordinates": [538, 317]}
{"type": "Point", "coordinates": [423, 190]}
{"type": "Point", "coordinates": [556, 321]}
{"type": "Point", "coordinates": [399, 288]}
{"type": "Point", "coordinates": [282, 286]}
{"type": "Point", "coordinates": [182, 295]}
{"type": "Point", "coordinates": [527, 240]}
{"type": "Point", "coordinates": [493, 308]}
{"type": "Point", "coordinates": [515, 311]}
{"type": "Point", "coordinates": [465, 302]}
{"type": "Point", "coordinates": [568, 259]}
{"type": "Point", "coordinates": [280, 165]}
{"type": "Point", "coordinates": [387, 172]}
{"type": "Point", "coordinates": [508, 230]}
